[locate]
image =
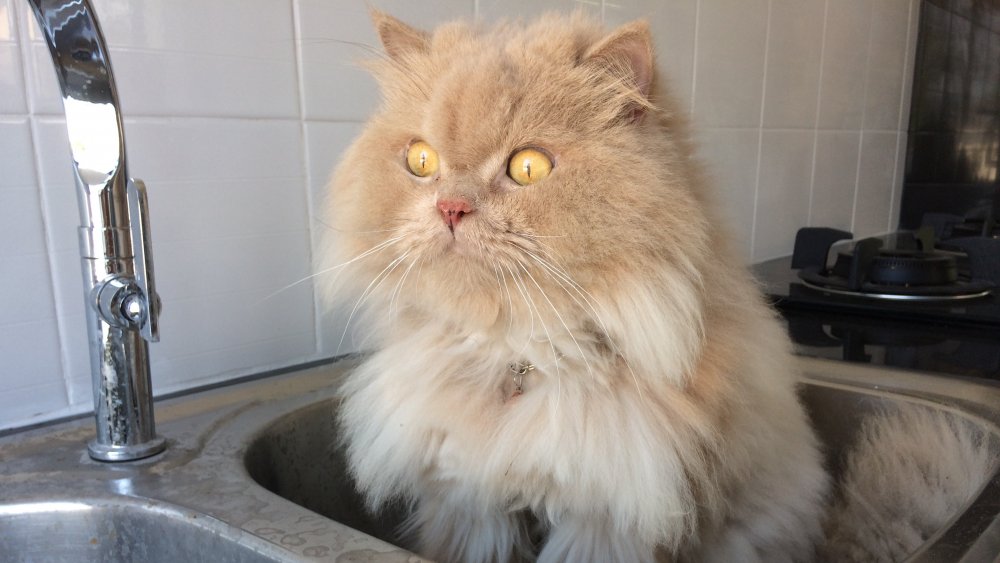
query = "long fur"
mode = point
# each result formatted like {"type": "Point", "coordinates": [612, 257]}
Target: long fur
{"type": "Point", "coordinates": [909, 472]}
{"type": "Point", "coordinates": [661, 419]}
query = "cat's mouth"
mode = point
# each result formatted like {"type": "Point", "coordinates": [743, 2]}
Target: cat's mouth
{"type": "Point", "coordinates": [457, 241]}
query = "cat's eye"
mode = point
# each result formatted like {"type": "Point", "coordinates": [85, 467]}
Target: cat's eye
{"type": "Point", "coordinates": [528, 166]}
{"type": "Point", "coordinates": [421, 159]}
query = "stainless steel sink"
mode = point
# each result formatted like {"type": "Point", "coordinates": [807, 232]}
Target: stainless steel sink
{"type": "Point", "coordinates": [294, 456]}
{"type": "Point", "coordinates": [253, 473]}
{"type": "Point", "coordinates": [122, 530]}
{"type": "Point", "coordinates": [194, 502]}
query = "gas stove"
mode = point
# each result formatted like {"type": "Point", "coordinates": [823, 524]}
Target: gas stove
{"type": "Point", "coordinates": [927, 299]}
{"type": "Point", "coordinates": [910, 268]}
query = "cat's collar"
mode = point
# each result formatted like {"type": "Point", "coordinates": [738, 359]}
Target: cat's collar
{"type": "Point", "coordinates": [519, 369]}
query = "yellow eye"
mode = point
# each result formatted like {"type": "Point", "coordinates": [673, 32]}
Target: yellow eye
{"type": "Point", "coordinates": [421, 159]}
{"type": "Point", "coordinates": [528, 166]}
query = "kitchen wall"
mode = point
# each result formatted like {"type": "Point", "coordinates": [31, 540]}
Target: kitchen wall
{"type": "Point", "coordinates": [236, 111]}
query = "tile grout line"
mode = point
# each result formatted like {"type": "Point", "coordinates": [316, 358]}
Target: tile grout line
{"type": "Point", "coordinates": [13, 18]}
{"type": "Point", "coordinates": [861, 130]}
{"type": "Point", "coordinates": [152, 117]}
{"type": "Point", "coordinates": [180, 386]}
{"type": "Point", "coordinates": [305, 161]}
{"type": "Point", "coordinates": [694, 56]}
{"type": "Point", "coordinates": [793, 129]}
{"type": "Point", "coordinates": [760, 135]}
{"type": "Point", "coordinates": [901, 132]}
{"type": "Point", "coordinates": [819, 105]}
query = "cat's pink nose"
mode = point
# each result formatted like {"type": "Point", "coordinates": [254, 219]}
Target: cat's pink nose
{"type": "Point", "coordinates": [453, 209]}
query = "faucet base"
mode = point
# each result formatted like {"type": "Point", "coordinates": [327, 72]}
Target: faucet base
{"type": "Point", "coordinates": [111, 452]}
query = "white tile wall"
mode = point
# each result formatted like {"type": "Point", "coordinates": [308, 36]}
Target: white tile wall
{"type": "Point", "coordinates": [32, 381]}
{"type": "Point", "coordinates": [674, 24]}
{"type": "Point", "coordinates": [334, 37]}
{"type": "Point", "coordinates": [835, 176]}
{"type": "Point", "coordinates": [11, 77]}
{"type": "Point", "coordinates": [325, 141]}
{"type": "Point", "coordinates": [729, 62]}
{"type": "Point", "coordinates": [873, 198]}
{"type": "Point", "coordinates": [245, 69]}
{"type": "Point", "coordinates": [798, 106]}
{"type": "Point", "coordinates": [782, 203]}
{"type": "Point", "coordinates": [846, 44]}
{"type": "Point", "coordinates": [794, 52]}
{"type": "Point", "coordinates": [732, 156]}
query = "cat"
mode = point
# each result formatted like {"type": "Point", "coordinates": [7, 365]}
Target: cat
{"type": "Point", "coordinates": [570, 362]}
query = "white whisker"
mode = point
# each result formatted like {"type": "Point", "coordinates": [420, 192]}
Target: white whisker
{"type": "Point", "coordinates": [378, 247]}
{"type": "Point", "coordinates": [548, 335]}
{"type": "Point", "coordinates": [339, 230]}
{"type": "Point", "coordinates": [583, 355]}
{"type": "Point", "coordinates": [537, 236]}
{"type": "Point", "coordinates": [590, 300]}
{"type": "Point", "coordinates": [394, 298]}
{"type": "Point", "coordinates": [496, 274]}
{"type": "Point", "coordinates": [377, 281]}
{"type": "Point", "coordinates": [510, 302]}
{"type": "Point", "coordinates": [519, 285]}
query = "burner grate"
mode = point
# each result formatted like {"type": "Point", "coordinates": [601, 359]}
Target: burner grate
{"type": "Point", "coordinates": [918, 272]}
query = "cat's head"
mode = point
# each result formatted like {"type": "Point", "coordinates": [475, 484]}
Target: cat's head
{"type": "Point", "coordinates": [515, 171]}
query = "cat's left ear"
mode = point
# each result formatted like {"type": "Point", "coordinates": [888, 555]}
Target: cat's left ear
{"type": "Point", "coordinates": [628, 53]}
{"type": "Point", "coordinates": [397, 38]}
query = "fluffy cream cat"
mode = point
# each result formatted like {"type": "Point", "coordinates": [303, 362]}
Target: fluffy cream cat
{"type": "Point", "coordinates": [570, 362]}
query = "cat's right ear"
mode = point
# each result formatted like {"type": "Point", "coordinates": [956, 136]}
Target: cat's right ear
{"type": "Point", "coordinates": [397, 38]}
{"type": "Point", "coordinates": [627, 53]}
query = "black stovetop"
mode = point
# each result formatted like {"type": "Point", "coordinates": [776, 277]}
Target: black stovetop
{"type": "Point", "coordinates": [782, 283]}
{"type": "Point", "coordinates": [959, 338]}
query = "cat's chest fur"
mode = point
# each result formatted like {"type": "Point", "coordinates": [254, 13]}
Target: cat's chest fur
{"type": "Point", "coordinates": [480, 411]}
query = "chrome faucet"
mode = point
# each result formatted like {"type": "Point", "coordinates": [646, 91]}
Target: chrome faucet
{"type": "Point", "coordinates": [122, 304]}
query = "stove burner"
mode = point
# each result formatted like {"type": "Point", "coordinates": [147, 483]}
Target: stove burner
{"type": "Point", "coordinates": [903, 268]}
{"type": "Point", "coordinates": [918, 274]}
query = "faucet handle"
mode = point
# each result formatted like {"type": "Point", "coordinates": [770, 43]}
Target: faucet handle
{"type": "Point", "coordinates": [138, 210]}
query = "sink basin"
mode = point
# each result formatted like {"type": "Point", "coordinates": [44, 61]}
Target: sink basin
{"type": "Point", "coordinates": [297, 456]}
{"type": "Point", "coordinates": [194, 502]}
{"type": "Point", "coordinates": [252, 473]}
{"type": "Point", "coordinates": [81, 530]}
